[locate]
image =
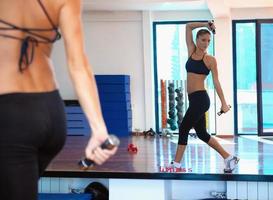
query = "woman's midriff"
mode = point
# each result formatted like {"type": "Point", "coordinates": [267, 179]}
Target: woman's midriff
{"type": "Point", "coordinates": [195, 82]}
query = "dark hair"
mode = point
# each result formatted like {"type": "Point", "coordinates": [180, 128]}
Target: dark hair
{"type": "Point", "coordinates": [202, 32]}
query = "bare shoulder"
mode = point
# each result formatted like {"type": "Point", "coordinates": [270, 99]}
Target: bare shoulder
{"type": "Point", "coordinates": [210, 58]}
{"type": "Point", "coordinates": [53, 8]}
{"type": "Point", "coordinates": [71, 4]}
{"type": "Point", "coordinates": [58, 4]}
{"type": "Point", "coordinates": [210, 61]}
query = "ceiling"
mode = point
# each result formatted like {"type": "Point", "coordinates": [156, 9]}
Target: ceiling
{"type": "Point", "coordinates": [144, 5]}
{"type": "Point", "coordinates": [166, 5]}
{"type": "Point", "coordinates": [249, 3]}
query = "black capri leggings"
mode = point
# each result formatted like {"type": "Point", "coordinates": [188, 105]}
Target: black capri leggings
{"type": "Point", "coordinates": [199, 103]}
{"type": "Point", "coordinates": [32, 132]}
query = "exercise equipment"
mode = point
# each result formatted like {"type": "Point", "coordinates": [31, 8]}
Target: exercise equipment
{"type": "Point", "coordinates": [221, 111]}
{"type": "Point", "coordinates": [172, 116]}
{"type": "Point", "coordinates": [166, 132]}
{"type": "Point", "coordinates": [98, 191]}
{"type": "Point", "coordinates": [179, 105]}
{"type": "Point", "coordinates": [132, 148]}
{"type": "Point", "coordinates": [109, 143]}
{"type": "Point", "coordinates": [163, 104]}
{"type": "Point", "coordinates": [210, 24]}
{"type": "Point", "coordinates": [150, 132]}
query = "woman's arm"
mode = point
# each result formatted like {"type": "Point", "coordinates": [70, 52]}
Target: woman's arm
{"type": "Point", "coordinates": [217, 85]}
{"type": "Point", "coordinates": [83, 79]}
{"type": "Point", "coordinates": [189, 39]}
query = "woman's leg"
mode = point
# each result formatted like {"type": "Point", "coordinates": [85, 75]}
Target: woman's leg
{"type": "Point", "coordinates": [215, 145]}
{"type": "Point", "coordinates": [22, 126]}
{"type": "Point", "coordinates": [18, 172]}
{"type": "Point", "coordinates": [184, 129]}
{"type": "Point", "coordinates": [179, 153]}
{"type": "Point", "coordinates": [55, 140]}
{"type": "Point", "coordinates": [201, 131]}
{"type": "Point", "coordinates": [198, 105]}
{"type": "Point", "coordinates": [27, 125]}
{"type": "Point", "coordinates": [191, 117]}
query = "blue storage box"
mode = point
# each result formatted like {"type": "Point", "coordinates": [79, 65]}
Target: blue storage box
{"type": "Point", "coordinates": [49, 196]}
{"type": "Point", "coordinates": [116, 106]}
{"type": "Point", "coordinates": [76, 121]}
{"type": "Point", "coordinates": [122, 114]}
{"type": "Point", "coordinates": [114, 97]}
{"type": "Point", "coordinates": [112, 79]}
{"type": "Point", "coordinates": [110, 88]}
{"type": "Point", "coordinates": [119, 123]}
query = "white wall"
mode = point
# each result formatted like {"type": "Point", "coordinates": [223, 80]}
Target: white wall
{"type": "Point", "coordinates": [223, 54]}
{"type": "Point", "coordinates": [181, 15]}
{"type": "Point", "coordinates": [121, 43]}
{"type": "Point", "coordinates": [114, 46]}
{"type": "Point", "coordinates": [252, 13]}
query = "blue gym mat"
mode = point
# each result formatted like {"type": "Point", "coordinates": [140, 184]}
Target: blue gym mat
{"type": "Point", "coordinates": [47, 196]}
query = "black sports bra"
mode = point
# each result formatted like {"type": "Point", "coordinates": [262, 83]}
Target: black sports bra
{"type": "Point", "coordinates": [31, 40]}
{"type": "Point", "coordinates": [197, 66]}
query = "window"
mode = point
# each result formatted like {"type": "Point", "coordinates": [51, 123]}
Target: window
{"type": "Point", "coordinates": [253, 56]}
{"type": "Point", "coordinates": [266, 52]}
{"type": "Point", "coordinates": [170, 57]}
{"type": "Point", "coordinates": [246, 91]}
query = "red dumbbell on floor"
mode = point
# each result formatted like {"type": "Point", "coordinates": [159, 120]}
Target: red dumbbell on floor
{"type": "Point", "coordinates": [132, 148]}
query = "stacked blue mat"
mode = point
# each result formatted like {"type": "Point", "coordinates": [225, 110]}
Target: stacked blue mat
{"type": "Point", "coordinates": [76, 121]}
{"type": "Point", "coordinates": [48, 196]}
{"type": "Point", "coordinates": [115, 99]}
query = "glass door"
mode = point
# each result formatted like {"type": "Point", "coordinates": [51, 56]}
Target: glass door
{"type": "Point", "coordinates": [265, 77]}
{"type": "Point", "coordinates": [245, 78]}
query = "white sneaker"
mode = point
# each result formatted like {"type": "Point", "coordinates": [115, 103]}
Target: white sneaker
{"type": "Point", "coordinates": [173, 167]}
{"type": "Point", "coordinates": [230, 163]}
{"type": "Point", "coordinates": [175, 164]}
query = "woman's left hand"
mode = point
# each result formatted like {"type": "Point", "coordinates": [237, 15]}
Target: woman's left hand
{"type": "Point", "coordinates": [225, 108]}
{"type": "Point", "coordinates": [211, 25]}
{"type": "Point", "coordinates": [94, 151]}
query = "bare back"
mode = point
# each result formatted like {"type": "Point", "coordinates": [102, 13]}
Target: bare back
{"type": "Point", "coordinates": [38, 77]}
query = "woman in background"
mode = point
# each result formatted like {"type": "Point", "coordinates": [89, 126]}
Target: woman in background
{"type": "Point", "coordinates": [198, 66]}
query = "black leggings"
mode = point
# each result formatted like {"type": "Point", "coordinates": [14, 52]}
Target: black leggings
{"type": "Point", "coordinates": [199, 103]}
{"type": "Point", "coordinates": [32, 132]}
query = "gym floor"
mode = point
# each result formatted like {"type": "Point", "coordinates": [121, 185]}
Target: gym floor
{"type": "Point", "coordinates": [153, 154]}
